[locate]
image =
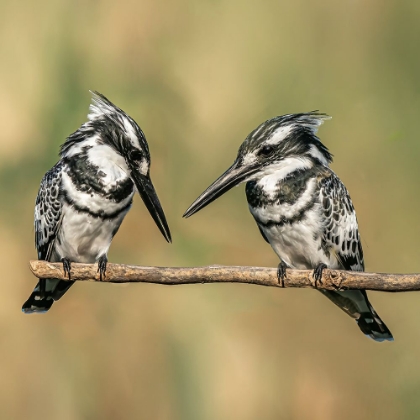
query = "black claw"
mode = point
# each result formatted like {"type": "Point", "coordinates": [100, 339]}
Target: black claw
{"type": "Point", "coordinates": [281, 273]}
{"type": "Point", "coordinates": [102, 267]}
{"type": "Point", "coordinates": [318, 273]}
{"type": "Point", "coordinates": [66, 266]}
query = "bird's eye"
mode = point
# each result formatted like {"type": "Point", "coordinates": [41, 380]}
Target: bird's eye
{"type": "Point", "coordinates": [136, 155]}
{"type": "Point", "coordinates": [266, 150]}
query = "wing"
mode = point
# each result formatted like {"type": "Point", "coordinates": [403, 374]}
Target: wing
{"type": "Point", "coordinates": [48, 212]}
{"type": "Point", "coordinates": [341, 232]}
{"type": "Point", "coordinates": [341, 236]}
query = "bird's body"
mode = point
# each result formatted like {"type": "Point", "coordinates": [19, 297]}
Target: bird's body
{"type": "Point", "coordinates": [97, 195]}
{"type": "Point", "coordinates": [290, 213]}
{"type": "Point", "coordinates": [84, 198]}
{"type": "Point", "coordinates": [301, 207]}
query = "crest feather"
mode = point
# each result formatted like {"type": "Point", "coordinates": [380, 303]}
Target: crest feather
{"type": "Point", "coordinates": [311, 120]}
{"type": "Point", "coordinates": [100, 105]}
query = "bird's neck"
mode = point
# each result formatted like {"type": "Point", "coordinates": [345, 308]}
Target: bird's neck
{"type": "Point", "coordinates": [270, 178]}
{"type": "Point", "coordinates": [98, 169]}
{"type": "Point", "coordinates": [283, 183]}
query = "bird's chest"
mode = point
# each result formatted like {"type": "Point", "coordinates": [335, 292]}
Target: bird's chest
{"type": "Point", "coordinates": [96, 195]}
{"type": "Point", "coordinates": [83, 237]}
{"type": "Point", "coordinates": [297, 242]}
{"type": "Point", "coordinates": [284, 202]}
{"type": "Point", "coordinates": [290, 216]}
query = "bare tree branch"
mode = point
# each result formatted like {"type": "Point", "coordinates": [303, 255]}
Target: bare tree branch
{"type": "Point", "coordinates": [263, 276]}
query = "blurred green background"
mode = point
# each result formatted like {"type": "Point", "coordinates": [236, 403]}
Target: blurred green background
{"type": "Point", "coordinates": [198, 76]}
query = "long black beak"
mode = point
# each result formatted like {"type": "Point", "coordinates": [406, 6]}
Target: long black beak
{"type": "Point", "coordinates": [232, 177]}
{"type": "Point", "coordinates": [148, 194]}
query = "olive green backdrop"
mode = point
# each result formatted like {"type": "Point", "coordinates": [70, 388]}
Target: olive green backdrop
{"type": "Point", "coordinates": [198, 76]}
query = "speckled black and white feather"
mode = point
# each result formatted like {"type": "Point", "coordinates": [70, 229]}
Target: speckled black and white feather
{"type": "Point", "coordinates": [48, 212]}
{"type": "Point", "coordinates": [341, 232]}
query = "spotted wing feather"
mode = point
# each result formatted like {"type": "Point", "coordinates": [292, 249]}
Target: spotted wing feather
{"type": "Point", "coordinates": [341, 232]}
{"type": "Point", "coordinates": [48, 212]}
{"type": "Point", "coordinates": [341, 236]}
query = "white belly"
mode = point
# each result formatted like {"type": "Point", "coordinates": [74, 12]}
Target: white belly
{"type": "Point", "coordinates": [83, 238]}
{"type": "Point", "coordinates": [299, 244]}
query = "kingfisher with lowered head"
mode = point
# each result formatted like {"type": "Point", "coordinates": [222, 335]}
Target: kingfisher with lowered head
{"type": "Point", "coordinates": [84, 198]}
{"type": "Point", "coordinates": [301, 207]}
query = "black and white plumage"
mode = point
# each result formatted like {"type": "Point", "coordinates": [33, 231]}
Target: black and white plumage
{"type": "Point", "coordinates": [301, 207]}
{"type": "Point", "coordinates": [84, 198]}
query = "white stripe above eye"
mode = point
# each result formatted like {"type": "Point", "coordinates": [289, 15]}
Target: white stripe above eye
{"type": "Point", "coordinates": [128, 126]}
{"type": "Point", "coordinates": [280, 134]}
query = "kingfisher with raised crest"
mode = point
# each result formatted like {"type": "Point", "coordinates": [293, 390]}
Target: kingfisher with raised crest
{"type": "Point", "coordinates": [84, 198]}
{"type": "Point", "coordinates": [301, 207]}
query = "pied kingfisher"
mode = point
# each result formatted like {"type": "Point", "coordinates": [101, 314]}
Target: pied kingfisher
{"type": "Point", "coordinates": [84, 198]}
{"type": "Point", "coordinates": [301, 207]}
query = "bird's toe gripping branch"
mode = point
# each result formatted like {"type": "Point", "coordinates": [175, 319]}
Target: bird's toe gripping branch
{"type": "Point", "coordinates": [102, 262]}
{"type": "Point", "coordinates": [281, 272]}
{"type": "Point", "coordinates": [66, 266]}
{"type": "Point", "coordinates": [317, 274]}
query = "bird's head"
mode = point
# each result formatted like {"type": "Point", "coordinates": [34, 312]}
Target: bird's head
{"type": "Point", "coordinates": [112, 134]}
{"type": "Point", "coordinates": [280, 145]}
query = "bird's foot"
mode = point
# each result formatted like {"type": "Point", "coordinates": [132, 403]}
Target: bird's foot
{"type": "Point", "coordinates": [102, 267]}
{"type": "Point", "coordinates": [317, 274]}
{"type": "Point", "coordinates": [281, 273]}
{"type": "Point", "coordinates": [66, 266]}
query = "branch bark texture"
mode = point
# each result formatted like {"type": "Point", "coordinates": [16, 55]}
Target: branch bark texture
{"type": "Point", "coordinates": [263, 276]}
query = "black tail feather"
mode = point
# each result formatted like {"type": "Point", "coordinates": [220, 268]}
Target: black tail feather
{"type": "Point", "coordinates": [61, 288]}
{"type": "Point", "coordinates": [371, 325]}
{"type": "Point", "coordinates": [38, 302]}
{"type": "Point", "coordinates": [45, 294]}
{"type": "Point", "coordinates": [356, 304]}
